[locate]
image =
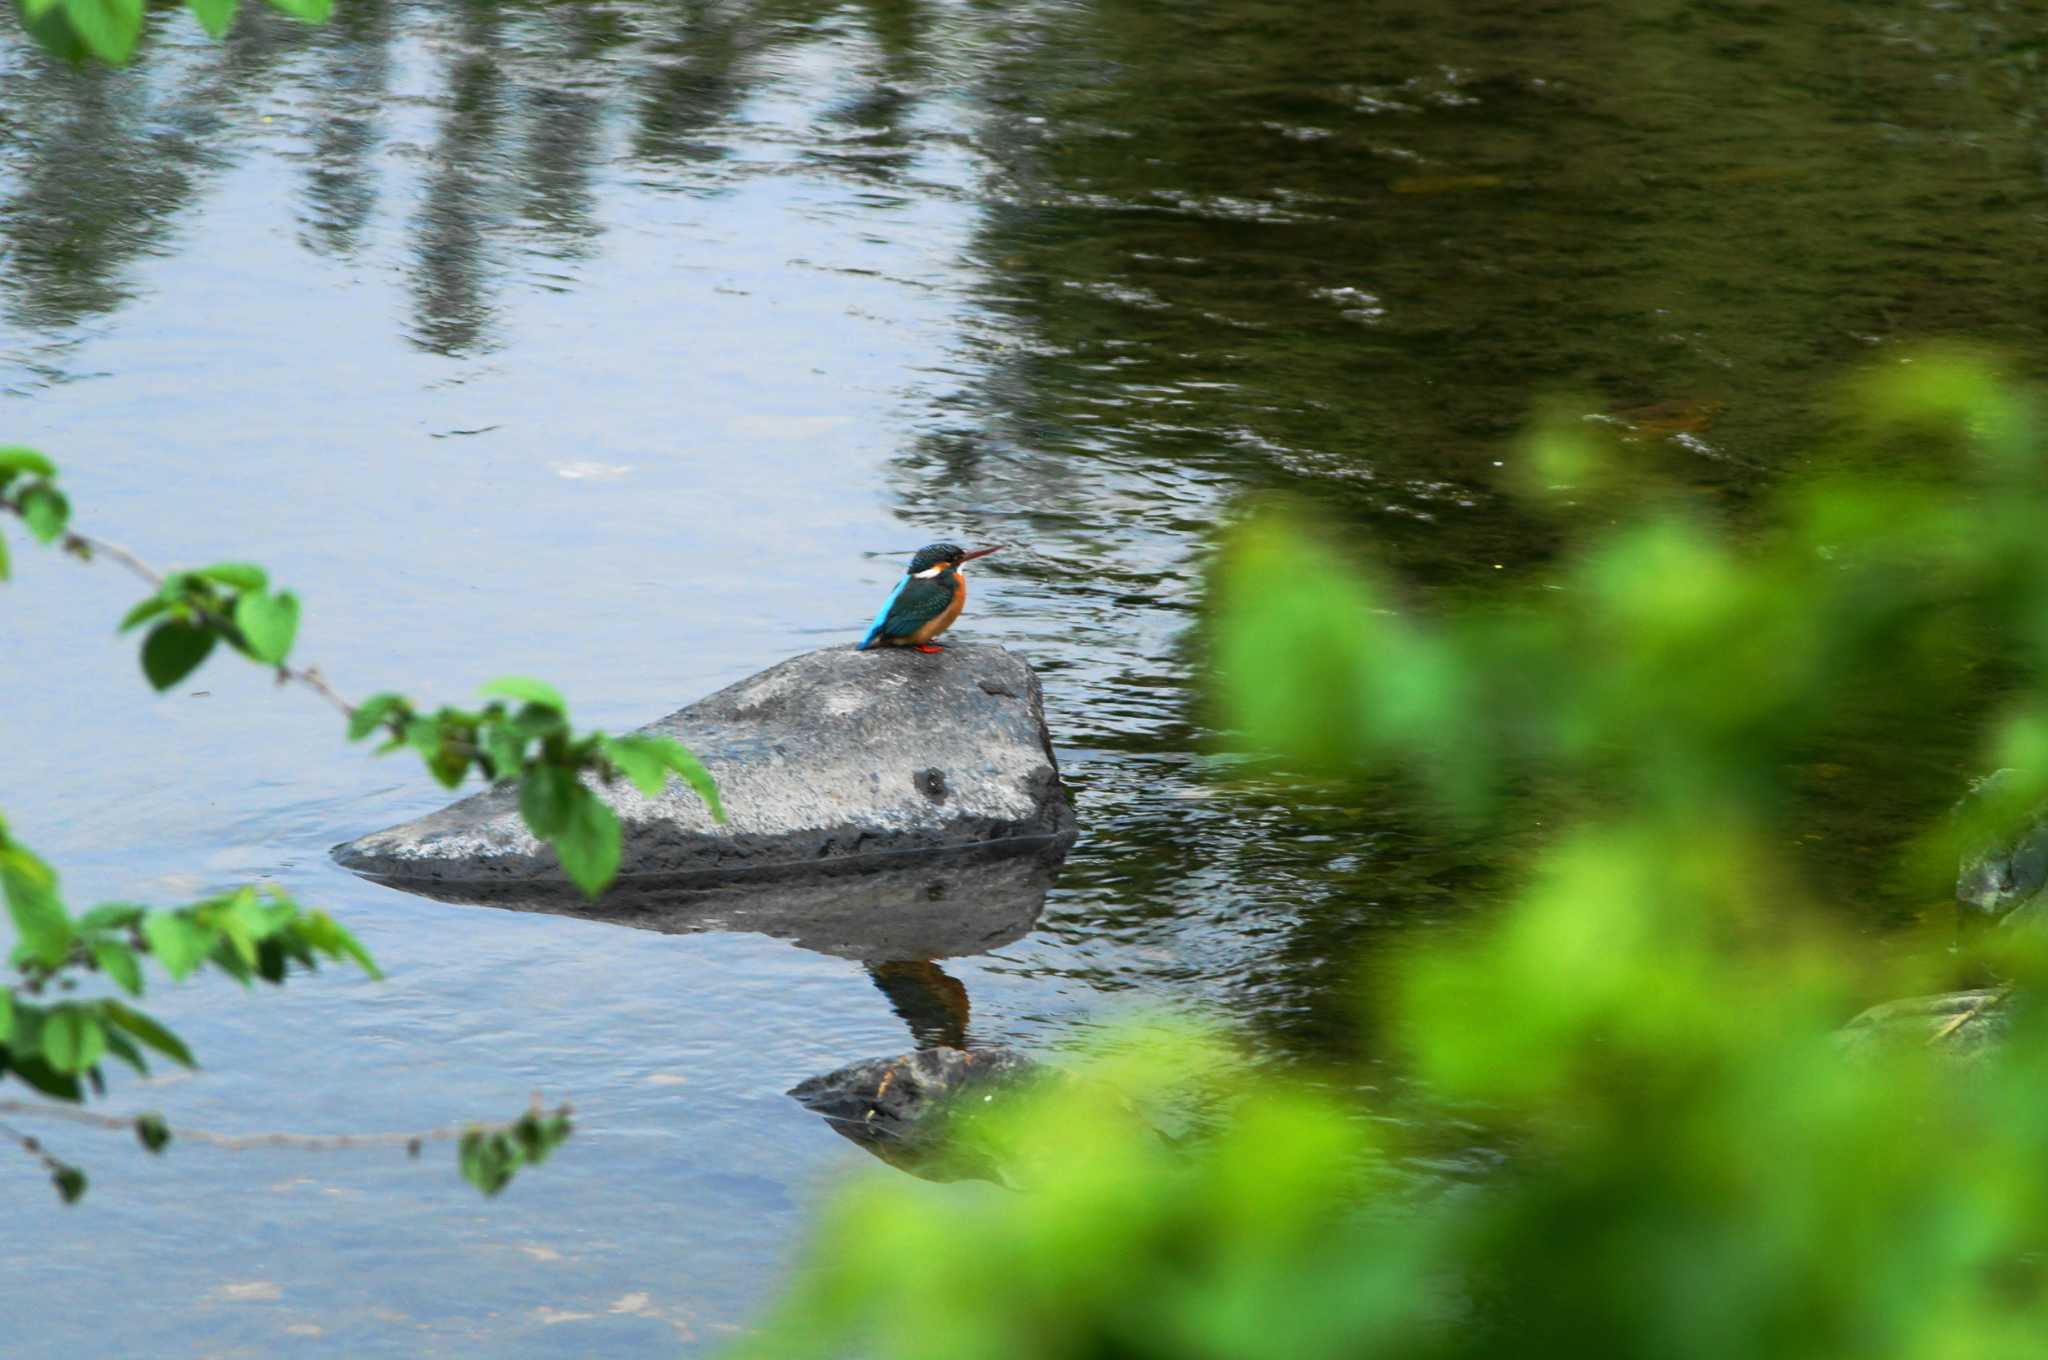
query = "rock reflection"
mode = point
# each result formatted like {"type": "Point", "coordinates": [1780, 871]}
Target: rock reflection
{"type": "Point", "coordinates": [927, 906]}
{"type": "Point", "coordinates": [897, 921]}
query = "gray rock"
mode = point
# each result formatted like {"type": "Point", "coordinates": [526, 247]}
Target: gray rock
{"type": "Point", "coordinates": [832, 759]}
{"type": "Point", "coordinates": [2003, 865]}
{"type": "Point", "coordinates": [906, 1110]}
{"type": "Point", "coordinates": [1966, 1025]}
{"type": "Point", "coordinates": [945, 1114]}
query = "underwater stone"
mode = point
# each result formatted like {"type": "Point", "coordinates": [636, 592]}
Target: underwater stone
{"type": "Point", "coordinates": [2002, 868]}
{"type": "Point", "coordinates": [903, 1109]}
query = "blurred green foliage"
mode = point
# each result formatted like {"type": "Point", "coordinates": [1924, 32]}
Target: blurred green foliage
{"type": "Point", "coordinates": [1697, 1164]}
{"type": "Point", "coordinates": [108, 30]}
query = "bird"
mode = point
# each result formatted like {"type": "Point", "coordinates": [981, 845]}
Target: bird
{"type": "Point", "coordinates": [926, 601]}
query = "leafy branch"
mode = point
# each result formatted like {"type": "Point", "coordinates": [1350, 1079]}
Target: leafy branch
{"type": "Point", "coordinates": [57, 1043]}
{"type": "Point", "coordinates": [58, 1047]}
{"type": "Point", "coordinates": [107, 30]}
{"type": "Point", "coordinates": [528, 739]}
{"type": "Point", "coordinates": [489, 1153]}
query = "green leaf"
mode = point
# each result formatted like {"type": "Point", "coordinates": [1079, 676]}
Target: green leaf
{"type": "Point", "coordinates": [173, 651]}
{"type": "Point", "coordinates": [37, 1072]}
{"type": "Point", "coordinates": [108, 27]}
{"type": "Point", "coordinates": [180, 943]}
{"type": "Point", "coordinates": [143, 612]}
{"type": "Point", "coordinates": [229, 960]}
{"type": "Point", "coordinates": [423, 734]}
{"type": "Point", "coordinates": [45, 510]}
{"type": "Point", "coordinates": [486, 1160]}
{"type": "Point", "coordinates": [148, 1031]}
{"type": "Point", "coordinates": [118, 1044]}
{"type": "Point", "coordinates": [117, 961]}
{"type": "Point", "coordinates": [528, 691]}
{"type": "Point", "coordinates": [70, 1182]}
{"type": "Point", "coordinates": [111, 916]}
{"type": "Point", "coordinates": [322, 932]}
{"type": "Point", "coordinates": [536, 723]}
{"type": "Point", "coordinates": [27, 1033]}
{"type": "Point", "coordinates": [312, 11]}
{"type": "Point", "coordinates": [235, 575]}
{"type": "Point", "coordinates": [17, 862]}
{"type": "Point", "coordinates": [506, 749]}
{"type": "Point", "coordinates": [6, 1014]}
{"type": "Point", "coordinates": [694, 774]}
{"type": "Point", "coordinates": [42, 927]}
{"type": "Point", "coordinates": [14, 458]}
{"type": "Point", "coordinates": [640, 762]}
{"type": "Point", "coordinates": [151, 1131]}
{"type": "Point", "coordinates": [268, 623]}
{"type": "Point", "coordinates": [371, 713]}
{"type": "Point", "coordinates": [72, 1038]}
{"type": "Point", "coordinates": [667, 754]}
{"type": "Point", "coordinates": [536, 1137]}
{"type": "Point", "coordinates": [244, 921]}
{"type": "Point", "coordinates": [51, 31]}
{"type": "Point", "coordinates": [546, 796]}
{"type": "Point", "coordinates": [214, 15]}
{"type": "Point", "coordinates": [588, 844]}
{"type": "Point", "coordinates": [3, 559]}
{"type": "Point", "coordinates": [448, 765]}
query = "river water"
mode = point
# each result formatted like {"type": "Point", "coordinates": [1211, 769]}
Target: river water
{"type": "Point", "coordinates": [624, 344]}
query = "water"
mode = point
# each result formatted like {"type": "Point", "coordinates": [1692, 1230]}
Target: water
{"type": "Point", "coordinates": [609, 343]}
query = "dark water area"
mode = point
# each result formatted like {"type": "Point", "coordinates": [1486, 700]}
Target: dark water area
{"type": "Point", "coordinates": [616, 344]}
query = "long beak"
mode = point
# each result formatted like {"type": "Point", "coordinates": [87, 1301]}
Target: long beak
{"type": "Point", "coordinates": [982, 552]}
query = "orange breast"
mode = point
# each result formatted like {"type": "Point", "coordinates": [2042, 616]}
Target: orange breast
{"type": "Point", "coordinates": [952, 612]}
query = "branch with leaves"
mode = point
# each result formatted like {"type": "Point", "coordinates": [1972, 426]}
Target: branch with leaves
{"type": "Point", "coordinates": [528, 740]}
{"type": "Point", "coordinates": [56, 1043]}
{"type": "Point", "coordinates": [108, 30]}
{"type": "Point", "coordinates": [488, 1153]}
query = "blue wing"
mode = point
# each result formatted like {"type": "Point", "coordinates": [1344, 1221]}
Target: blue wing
{"type": "Point", "coordinates": [875, 629]}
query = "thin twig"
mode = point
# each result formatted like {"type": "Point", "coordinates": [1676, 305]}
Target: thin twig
{"type": "Point", "coordinates": [86, 547]}
{"type": "Point", "coordinates": [83, 545]}
{"type": "Point", "coordinates": [33, 1147]}
{"type": "Point", "coordinates": [1962, 1018]}
{"type": "Point", "coordinates": [242, 1142]}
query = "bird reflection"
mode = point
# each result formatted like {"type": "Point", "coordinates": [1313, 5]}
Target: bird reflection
{"type": "Point", "coordinates": [930, 1001]}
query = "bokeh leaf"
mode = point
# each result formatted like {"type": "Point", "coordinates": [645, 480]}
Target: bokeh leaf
{"type": "Point", "coordinates": [215, 16]}
{"type": "Point", "coordinates": [268, 623]}
{"type": "Point", "coordinates": [588, 843]}
{"type": "Point", "coordinates": [173, 650]}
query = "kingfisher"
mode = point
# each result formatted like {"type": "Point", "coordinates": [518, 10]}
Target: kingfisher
{"type": "Point", "coordinates": [926, 601]}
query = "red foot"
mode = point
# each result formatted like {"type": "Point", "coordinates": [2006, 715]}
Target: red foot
{"type": "Point", "coordinates": [929, 647]}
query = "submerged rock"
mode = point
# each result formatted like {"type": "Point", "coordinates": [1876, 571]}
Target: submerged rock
{"type": "Point", "coordinates": [2002, 870]}
{"type": "Point", "coordinates": [1967, 1025]}
{"type": "Point", "coordinates": [2001, 882]}
{"type": "Point", "coordinates": [905, 1110]}
{"type": "Point", "coordinates": [832, 759]}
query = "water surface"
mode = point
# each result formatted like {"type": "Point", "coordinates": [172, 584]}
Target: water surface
{"type": "Point", "coordinates": [610, 342]}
